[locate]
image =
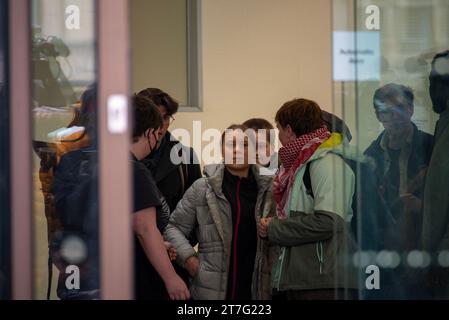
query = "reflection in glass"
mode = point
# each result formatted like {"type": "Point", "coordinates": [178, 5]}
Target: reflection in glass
{"type": "Point", "coordinates": [393, 121]}
{"type": "Point", "coordinates": [65, 158]}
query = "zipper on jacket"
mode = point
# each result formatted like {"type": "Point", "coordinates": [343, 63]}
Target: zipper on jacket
{"type": "Point", "coordinates": [236, 233]}
{"type": "Point", "coordinates": [319, 254]}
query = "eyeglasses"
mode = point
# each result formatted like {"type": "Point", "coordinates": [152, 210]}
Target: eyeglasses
{"type": "Point", "coordinates": [168, 118]}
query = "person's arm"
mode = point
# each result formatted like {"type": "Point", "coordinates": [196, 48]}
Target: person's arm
{"type": "Point", "coordinates": [332, 183]}
{"type": "Point", "coordinates": [151, 240]}
{"type": "Point", "coordinates": [183, 222]}
{"type": "Point", "coordinates": [301, 228]}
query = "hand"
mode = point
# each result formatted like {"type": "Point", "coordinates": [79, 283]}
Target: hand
{"type": "Point", "coordinates": [170, 250]}
{"type": "Point", "coordinates": [192, 265]}
{"type": "Point", "coordinates": [262, 227]}
{"type": "Point", "coordinates": [177, 289]}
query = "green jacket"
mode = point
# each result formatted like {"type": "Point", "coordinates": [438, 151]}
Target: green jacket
{"type": "Point", "coordinates": [315, 239]}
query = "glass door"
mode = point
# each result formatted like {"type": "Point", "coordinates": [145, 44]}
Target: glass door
{"type": "Point", "coordinates": [65, 157]}
{"type": "Point", "coordinates": [72, 231]}
{"type": "Point", "coordinates": [382, 54]}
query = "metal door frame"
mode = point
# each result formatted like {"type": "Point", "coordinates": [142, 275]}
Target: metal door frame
{"type": "Point", "coordinates": [113, 61]}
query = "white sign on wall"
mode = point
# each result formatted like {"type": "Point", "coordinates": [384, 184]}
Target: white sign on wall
{"type": "Point", "coordinates": [356, 56]}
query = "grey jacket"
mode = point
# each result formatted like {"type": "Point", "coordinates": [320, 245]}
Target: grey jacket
{"type": "Point", "coordinates": [205, 210]}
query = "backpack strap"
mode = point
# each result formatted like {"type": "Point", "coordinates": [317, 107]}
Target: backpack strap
{"type": "Point", "coordinates": [308, 181]}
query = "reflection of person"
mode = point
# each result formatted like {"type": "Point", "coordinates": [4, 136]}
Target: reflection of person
{"type": "Point", "coordinates": [400, 156]}
{"type": "Point", "coordinates": [311, 229]}
{"type": "Point", "coordinates": [152, 264]}
{"type": "Point", "coordinates": [85, 119]}
{"type": "Point", "coordinates": [435, 231]}
{"type": "Point", "coordinates": [50, 177]}
{"type": "Point", "coordinates": [222, 209]}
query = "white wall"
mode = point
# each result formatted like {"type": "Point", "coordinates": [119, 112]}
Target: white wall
{"type": "Point", "coordinates": [258, 54]}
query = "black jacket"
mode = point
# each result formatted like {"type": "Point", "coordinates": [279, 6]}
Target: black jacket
{"type": "Point", "coordinates": [403, 226]}
{"type": "Point", "coordinates": [419, 158]}
{"type": "Point", "coordinates": [173, 179]}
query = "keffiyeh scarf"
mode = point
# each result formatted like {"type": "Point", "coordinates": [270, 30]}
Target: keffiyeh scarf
{"type": "Point", "coordinates": [293, 155]}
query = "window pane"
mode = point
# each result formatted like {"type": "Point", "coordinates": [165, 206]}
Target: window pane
{"type": "Point", "coordinates": [65, 158]}
{"type": "Point", "coordinates": [385, 100]}
{"type": "Point", "coordinates": [159, 46]}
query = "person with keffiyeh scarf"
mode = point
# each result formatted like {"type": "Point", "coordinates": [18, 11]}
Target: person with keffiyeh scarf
{"type": "Point", "coordinates": [311, 226]}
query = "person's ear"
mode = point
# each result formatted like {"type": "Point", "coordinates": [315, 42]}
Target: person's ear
{"type": "Point", "coordinates": [289, 130]}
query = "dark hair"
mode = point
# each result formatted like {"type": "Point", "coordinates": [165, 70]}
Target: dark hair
{"type": "Point", "coordinates": [87, 108]}
{"type": "Point", "coordinates": [434, 75]}
{"type": "Point", "coordinates": [439, 83]}
{"type": "Point", "coordinates": [259, 124]}
{"type": "Point", "coordinates": [397, 94]}
{"type": "Point", "coordinates": [146, 116]}
{"type": "Point", "coordinates": [233, 127]}
{"type": "Point", "coordinates": [161, 98]}
{"type": "Point", "coordinates": [335, 124]}
{"type": "Point", "coordinates": [302, 115]}
{"type": "Point", "coordinates": [85, 115]}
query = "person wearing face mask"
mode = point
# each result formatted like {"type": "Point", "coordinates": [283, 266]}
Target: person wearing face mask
{"type": "Point", "coordinates": [435, 230]}
{"type": "Point", "coordinates": [172, 178]}
{"type": "Point", "coordinates": [222, 209]}
{"type": "Point", "coordinates": [155, 277]}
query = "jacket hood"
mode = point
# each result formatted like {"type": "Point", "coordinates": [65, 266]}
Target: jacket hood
{"type": "Point", "coordinates": [336, 145]}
